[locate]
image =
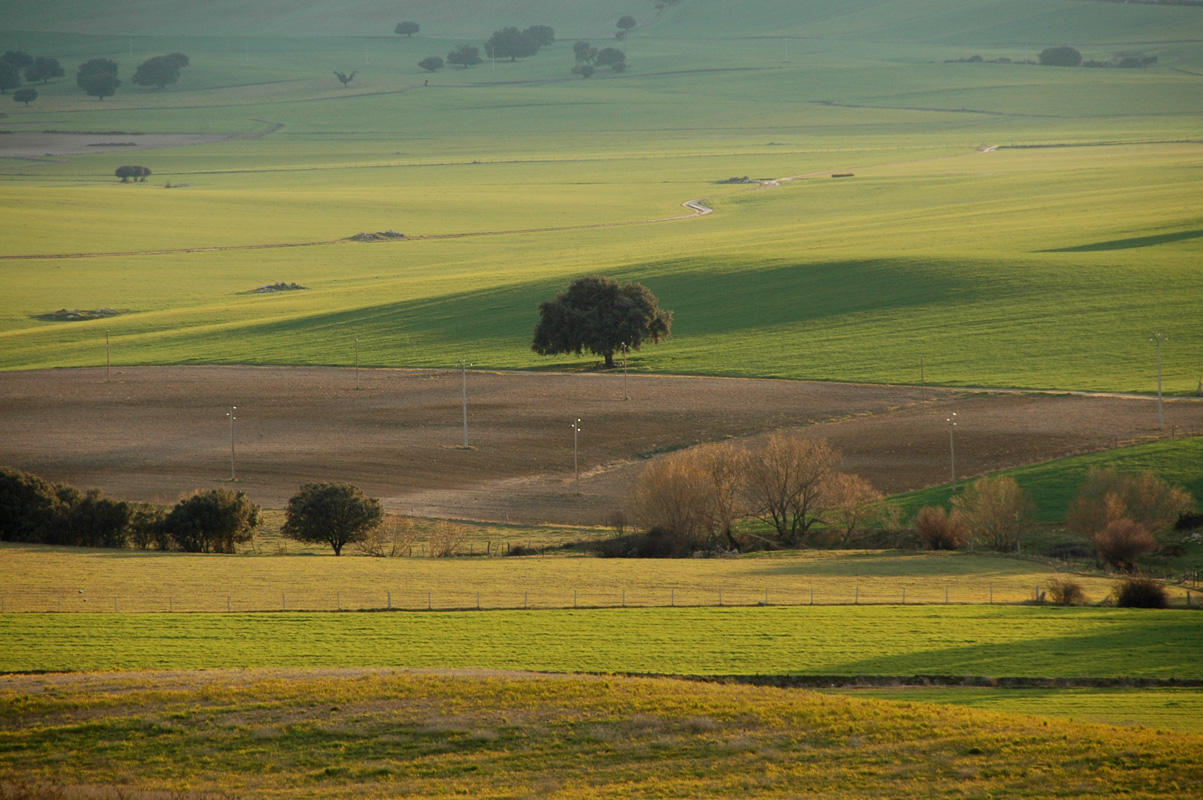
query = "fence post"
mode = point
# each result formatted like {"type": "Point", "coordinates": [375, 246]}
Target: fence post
{"type": "Point", "coordinates": [945, 595]}
{"type": "Point", "coordinates": [338, 600]}
{"type": "Point", "coordinates": [114, 605]}
{"type": "Point", "coordinates": [525, 600]}
{"type": "Point", "coordinates": [992, 594]}
{"type": "Point", "coordinates": [283, 604]}
{"type": "Point", "coordinates": [169, 608]}
{"type": "Point", "coordinates": [720, 598]}
{"type": "Point", "coordinates": [624, 598]}
{"type": "Point", "coordinates": [766, 596]}
{"type": "Point", "coordinates": [227, 603]}
{"type": "Point", "coordinates": [856, 596]}
{"type": "Point", "coordinates": [478, 601]}
{"type": "Point", "coordinates": [904, 595]}
{"type": "Point", "coordinates": [672, 598]}
{"type": "Point", "coordinates": [429, 606]}
{"type": "Point", "coordinates": [390, 599]}
{"type": "Point", "coordinates": [574, 598]}
{"type": "Point", "coordinates": [812, 595]}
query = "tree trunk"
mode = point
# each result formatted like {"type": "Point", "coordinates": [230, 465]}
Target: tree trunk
{"type": "Point", "coordinates": [609, 359]}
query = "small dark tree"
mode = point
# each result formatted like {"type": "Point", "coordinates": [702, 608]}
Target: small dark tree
{"type": "Point", "coordinates": [511, 43]}
{"type": "Point", "coordinates": [212, 521]}
{"type": "Point", "coordinates": [10, 76]}
{"type": "Point", "coordinates": [157, 71]}
{"type": "Point", "coordinates": [18, 58]}
{"type": "Point", "coordinates": [1062, 56]}
{"type": "Point", "coordinates": [939, 530]}
{"type": "Point", "coordinates": [466, 55]}
{"type": "Point", "coordinates": [344, 78]}
{"type": "Point", "coordinates": [407, 29]}
{"type": "Point", "coordinates": [43, 69]}
{"type": "Point", "coordinates": [625, 24]}
{"type": "Point", "coordinates": [98, 77]}
{"type": "Point", "coordinates": [599, 315]}
{"type": "Point", "coordinates": [334, 513]}
{"type": "Point", "coordinates": [584, 52]}
{"type": "Point", "coordinates": [431, 63]}
{"type": "Point", "coordinates": [541, 35]}
{"type": "Point", "coordinates": [1140, 593]}
{"type": "Point", "coordinates": [128, 171]}
{"type": "Point", "coordinates": [25, 96]}
{"type": "Point", "coordinates": [611, 57]}
{"type": "Point", "coordinates": [96, 521]}
{"type": "Point", "coordinates": [29, 506]}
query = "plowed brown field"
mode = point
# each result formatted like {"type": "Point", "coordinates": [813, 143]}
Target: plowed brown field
{"type": "Point", "coordinates": [156, 433]}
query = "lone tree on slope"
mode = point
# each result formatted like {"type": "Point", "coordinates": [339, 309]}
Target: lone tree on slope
{"type": "Point", "coordinates": [466, 55]}
{"type": "Point", "coordinates": [25, 96]}
{"type": "Point", "coordinates": [407, 29]}
{"type": "Point", "coordinates": [601, 316]}
{"type": "Point", "coordinates": [10, 76]}
{"type": "Point", "coordinates": [334, 513]}
{"type": "Point", "coordinates": [98, 77]}
{"type": "Point", "coordinates": [158, 71]}
{"type": "Point", "coordinates": [43, 69]}
{"type": "Point", "coordinates": [344, 78]}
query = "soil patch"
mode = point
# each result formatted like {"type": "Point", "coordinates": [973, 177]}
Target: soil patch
{"type": "Point", "coordinates": [37, 144]}
{"type": "Point", "coordinates": [156, 433]}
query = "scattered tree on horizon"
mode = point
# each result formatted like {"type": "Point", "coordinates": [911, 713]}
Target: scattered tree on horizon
{"type": "Point", "coordinates": [43, 69]}
{"type": "Point", "coordinates": [128, 171]}
{"type": "Point", "coordinates": [18, 58]}
{"type": "Point", "coordinates": [625, 23]}
{"type": "Point", "coordinates": [611, 57]}
{"type": "Point", "coordinates": [466, 55]}
{"type": "Point", "coordinates": [1062, 56]}
{"type": "Point", "coordinates": [98, 77]}
{"type": "Point", "coordinates": [601, 316]}
{"type": "Point", "coordinates": [25, 96]}
{"type": "Point", "coordinates": [10, 76]}
{"type": "Point", "coordinates": [511, 43]}
{"type": "Point", "coordinates": [407, 29]}
{"type": "Point", "coordinates": [334, 513]}
{"type": "Point", "coordinates": [542, 35]}
{"type": "Point", "coordinates": [345, 79]}
{"type": "Point", "coordinates": [158, 71]}
{"type": "Point", "coordinates": [212, 521]}
{"type": "Point", "coordinates": [431, 63]}
{"type": "Point", "coordinates": [584, 52]}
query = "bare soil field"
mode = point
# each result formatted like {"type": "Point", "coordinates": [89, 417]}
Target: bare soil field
{"type": "Point", "coordinates": [157, 433]}
{"type": "Point", "coordinates": [37, 144]}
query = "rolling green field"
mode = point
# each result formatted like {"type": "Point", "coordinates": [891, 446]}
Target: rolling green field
{"type": "Point", "coordinates": [1038, 267]}
{"type": "Point", "coordinates": [375, 735]}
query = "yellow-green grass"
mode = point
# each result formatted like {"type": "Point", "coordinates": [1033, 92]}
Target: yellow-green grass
{"type": "Point", "coordinates": [57, 579]}
{"type": "Point", "coordinates": [1163, 709]}
{"type": "Point", "coordinates": [386, 735]}
{"type": "Point", "coordinates": [1042, 268]}
{"type": "Point", "coordinates": [937, 641]}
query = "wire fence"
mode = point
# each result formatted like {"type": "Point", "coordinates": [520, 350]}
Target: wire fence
{"type": "Point", "coordinates": [443, 599]}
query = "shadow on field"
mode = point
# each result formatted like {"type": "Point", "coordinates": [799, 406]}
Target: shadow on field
{"type": "Point", "coordinates": [898, 564]}
{"type": "Point", "coordinates": [1171, 642]}
{"type": "Point", "coordinates": [1130, 243]}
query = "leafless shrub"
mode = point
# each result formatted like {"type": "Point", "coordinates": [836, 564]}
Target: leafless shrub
{"type": "Point", "coordinates": [1066, 592]}
{"type": "Point", "coordinates": [939, 530]}
{"type": "Point", "coordinates": [1108, 495]}
{"type": "Point", "coordinates": [446, 538]}
{"type": "Point", "coordinates": [997, 512]}
{"type": "Point", "coordinates": [618, 521]}
{"type": "Point", "coordinates": [1122, 542]}
{"type": "Point", "coordinates": [852, 501]}
{"type": "Point", "coordinates": [393, 538]}
{"type": "Point", "coordinates": [785, 483]}
{"type": "Point", "coordinates": [672, 495]}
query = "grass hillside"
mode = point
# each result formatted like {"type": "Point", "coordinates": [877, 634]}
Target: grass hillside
{"type": "Point", "coordinates": [1045, 265]}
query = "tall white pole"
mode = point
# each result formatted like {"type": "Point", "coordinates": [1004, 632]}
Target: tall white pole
{"type": "Point", "coordinates": [1159, 337]}
{"type": "Point", "coordinates": [463, 368]}
{"type": "Point", "coordinates": [952, 448]}
{"type": "Point", "coordinates": [230, 414]}
{"type": "Point", "coordinates": [576, 469]}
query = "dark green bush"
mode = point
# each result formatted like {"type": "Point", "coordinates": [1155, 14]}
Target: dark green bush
{"type": "Point", "coordinates": [1140, 593]}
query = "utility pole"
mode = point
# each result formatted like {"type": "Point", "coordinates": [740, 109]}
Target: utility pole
{"type": "Point", "coordinates": [108, 358]}
{"type": "Point", "coordinates": [230, 414]}
{"type": "Point", "coordinates": [357, 363]}
{"type": "Point", "coordinates": [1159, 337]}
{"type": "Point", "coordinates": [576, 469]}
{"type": "Point", "coordinates": [463, 368]}
{"type": "Point", "coordinates": [952, 448]}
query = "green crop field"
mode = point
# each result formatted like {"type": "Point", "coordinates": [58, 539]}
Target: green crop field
{"type": "Point", "coordinates": [1047, 263]}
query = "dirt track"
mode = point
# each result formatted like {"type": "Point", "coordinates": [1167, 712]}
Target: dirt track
{"type": "Point", "coordinates": [155, 433]}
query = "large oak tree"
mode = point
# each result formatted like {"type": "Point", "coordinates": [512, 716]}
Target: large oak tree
{"type": "Point", "coordinates": [600, 315]}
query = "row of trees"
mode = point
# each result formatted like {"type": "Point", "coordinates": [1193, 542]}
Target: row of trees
{"type": "Point", "coordinates": [15, 63]}
{"type": "Point", "coordinates": [589, 59]}
{"type": "Point", "coordinates": [1121, 514]}
{"type": "Point", "coordinates": [37, 511]}
{"type": "Point", "coordinates": [509, 43]}
{"type": "Point", "coordinates": [693, 499]}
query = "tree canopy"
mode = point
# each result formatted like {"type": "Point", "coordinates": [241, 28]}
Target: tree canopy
{"type": "Point", "coordinates": [1063, 56]}
{"type": "Point", "coordinates": [334, 513]}
{"type": "Point", "coordinates": [212, 521]}
{"type": "Point", "coordinates": [431, 63]}
{"type": "Point", "coordinates": [611, 57]}
{"type": "Point", "coordinates": [43, 69]}
{"type": "Point", "coordinates": [600, 315]}
{"type": "Point", "coordinates": [10, 76]}
{"type": "Point", "coordinates": [407, 29]}
{"type": "Point", "coordinates": [157, 71]}
{"type": "Point", "coordinates": [25, 96]}
{"type": "Point", "coordinates": [625, 23]}
{"type": "Point", "coordinates": [466, 55]}
{"type": "Point", "coordinates": [18, 58]}
{"type": "Point", "coordinates": [511, 43]}
{"type": "Point", "coordinates": [98, 77]}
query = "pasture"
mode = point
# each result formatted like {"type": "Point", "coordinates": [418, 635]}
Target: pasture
{"type": "Point", "coordinates": [1004, 225]}
{"type": "Point", "coordinates": [1039, 267]}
